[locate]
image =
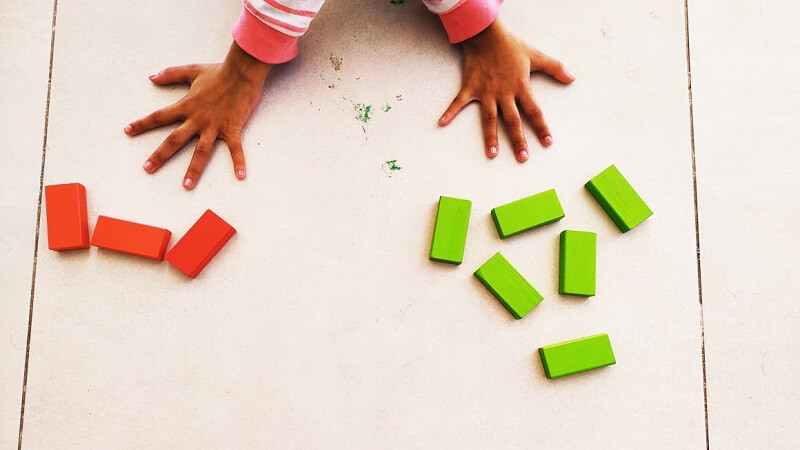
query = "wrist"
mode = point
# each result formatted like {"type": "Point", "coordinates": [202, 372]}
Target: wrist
{"type": "Point", "coordinates": [486, 38]}
{"type": "Point", "coordinates": [242, 65]}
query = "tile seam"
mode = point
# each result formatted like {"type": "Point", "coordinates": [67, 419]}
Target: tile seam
{"type": "Point", "coordinates": [38, 223]}
{"type": "Point", "coordinates": [696, 218]}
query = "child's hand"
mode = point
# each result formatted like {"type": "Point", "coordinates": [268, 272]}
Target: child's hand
{"type": "Point", "coordinates": [220, 101]}
{"type": "Point", "coordinates": [497, 70]}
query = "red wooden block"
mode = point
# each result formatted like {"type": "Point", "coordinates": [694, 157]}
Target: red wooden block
{"type": "Point", "coordinates": [132, 238]}
{"type": "Point", "coordinates": [196, 248]}
{"type": "Point", "coordinates": [67, 224]}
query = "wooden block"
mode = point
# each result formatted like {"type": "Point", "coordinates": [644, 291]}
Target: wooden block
{"type": "Point", "coordinates": [132, 238]}
{"type": "Point", "coordinates": [618, 199]}
{"type": "Point", "coordinates": [203, 240]}
{"type": "Point", "coordinates": [67, 223]}
{"type": "Point", "coordinates": [527, 213]}
{"type": "Point", "coordinates": [577, 263]}
{"type": "Point", "coordinates": [450, 231]}
{"type": "Point", "coordinates": [513, 291]}
{"type": "Point", "coordinates": [578, 355]}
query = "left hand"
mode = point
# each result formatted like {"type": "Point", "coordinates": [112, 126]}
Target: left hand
{"type": "Point", "coordinates": [497, 70]}
{"type": "Point", "coordinates": [220, 101]}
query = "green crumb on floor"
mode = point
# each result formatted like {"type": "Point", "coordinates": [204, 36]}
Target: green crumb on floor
{"type": "Point", "coordinates": [392, 165]}
{"type": "Point", "coordinates": [362, 112]}
{"type": "Point", "coordinates": [387, 108]}
{"type": "Point", "coordinates": [398, 2]}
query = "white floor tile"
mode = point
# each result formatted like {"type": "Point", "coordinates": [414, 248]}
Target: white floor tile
{"type": "Point", "coordinates": [25, 48]}
{"type": "Point", "coordinates": [322, 323]}
{"type": "Point", "coordinates": [744, 76]}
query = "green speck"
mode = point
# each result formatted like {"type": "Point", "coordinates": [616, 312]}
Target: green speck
{"type": "Point", "coordinates": [392, 165]}
{"type": "Point", "coordinates": [398, 2]}
{"type": "Point", "coordinates": [387, 108]}
{"type": "Point", "coordinates": [362, 112]}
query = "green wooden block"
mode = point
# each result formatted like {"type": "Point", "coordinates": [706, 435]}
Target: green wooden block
{"type": "Point", "coordinates": [578, 355]}
{"type": "Point", "coordinates": [450, 231]}
{"type": "Point", "coordinates": [527, 213]}
{"type": "Point", "coordinates": [577, 263]}
{"type": "Point", "coordinates": [513, 291]}
{"type": "Point", "coordinates": [618, 199]}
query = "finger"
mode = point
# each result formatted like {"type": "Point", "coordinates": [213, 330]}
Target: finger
{"type": "Point", "coordinates": [178, 74]}
{"type": "Point", "coordinates": [164, 116]}
{"type": "Point", "coordinates": [462, 99]}
{"type": "Point", "coordinates": [514, 125]}
{"type": "Point", "coordinates": [550, 66]}
{"type": "Point", "coordinates": [174, 142]}
{"type": "Point", "coordinates": [534, 113]}
{"type": "Point", "coordinates": [489, 123]}
{"type": "Point", "coordinates": [202, 152]}
{"type": "Point", "coordinates": [234, 141]}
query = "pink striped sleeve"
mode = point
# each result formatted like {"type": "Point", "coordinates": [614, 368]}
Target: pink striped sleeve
{"type": "Point", "coordinates": [269, 29]}
{"type": "Point", "coordinates": [463, 19]}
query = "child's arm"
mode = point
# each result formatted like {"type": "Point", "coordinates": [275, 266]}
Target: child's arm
{"type": "Point", "coordinates": [497, 70]}
{"type": "Point", "coordinates": [222, 96]}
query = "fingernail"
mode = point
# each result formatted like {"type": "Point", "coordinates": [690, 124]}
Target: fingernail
{"type": "Point", "coordinates": [153, 75]}
{"type": "Point", "coordinates": [548, 141]}
{"type": "Point", "coordinates": [187, 183]}
{"type": "Point", "coordinates": [147, 166]}
{"type": "Point", "coordinates": [492, 151]}
{"type": "Point", "coordinates": [443, 118]}
{"type": "Point", "coordinates": [569, 74]}
{"type": "Point", "coordinates": [241, 174]}
{"type": "Point", "coordinates": [522, 156]}
{"type": "Point", "coordinates": [128, 130]}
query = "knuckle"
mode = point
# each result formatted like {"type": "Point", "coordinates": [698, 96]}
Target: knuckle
{"type": "Point", "coordinates": [232, 131]}
{"type": "Point", "coordinates": [513, 120]}
{"type": "Point", "coordinates": [174, 139]}
{"type": "Point", "coordinates": [535, 111]}
{"type": "Point", "coordinates": [201, 150]}
{"type": "Point", "coordinates": [157, 116]}
{"type": "Point", "coordinates": [471, 82]}
{"type": "Point", "coordinates": [193, 173]}
{"type": "Point", "coordinates": [156, 159]}
{"type": "Point", "coordinates": [489, 117]}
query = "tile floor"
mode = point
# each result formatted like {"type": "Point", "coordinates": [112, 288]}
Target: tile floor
{"type": "Point", "coordinates": [322, 324]}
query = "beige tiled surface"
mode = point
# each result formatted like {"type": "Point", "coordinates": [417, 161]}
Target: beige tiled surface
{"type": "Point", "coordinates": [744, 66]}
{"type": "Point", "coordinates": [322, 323]}
{"type": "Point", "coordinates": [24, 51]}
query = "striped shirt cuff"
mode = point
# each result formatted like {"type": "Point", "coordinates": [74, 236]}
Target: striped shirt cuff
{"type": "Point", "coordinates": [263, 42]}
{"type": "Point", "coordinates": [469, 18]}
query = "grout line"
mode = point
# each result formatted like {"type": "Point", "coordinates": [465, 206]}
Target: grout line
{"type": "Point", "coordinates": [38, 222]}
{"type": "Point", "coordinates": [696, 218]}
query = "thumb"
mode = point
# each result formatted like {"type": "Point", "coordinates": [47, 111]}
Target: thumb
{"type": "Point", "coordinates": [177, 74]}
{"type": "Point", "coordinates": [550, 66]}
